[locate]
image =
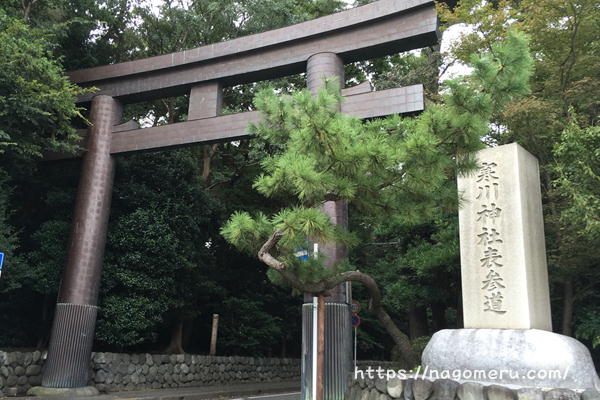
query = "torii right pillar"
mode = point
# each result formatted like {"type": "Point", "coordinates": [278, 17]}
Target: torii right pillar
{"type": "Point", "coordinates": [338, 331]}
{"type": "Point", "coordinates": [506, 303]}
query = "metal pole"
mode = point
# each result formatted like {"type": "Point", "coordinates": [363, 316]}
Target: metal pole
{"type": "Point", "coordinates": [321, 350]}
{"type": "Point", "coordinates": [315, 319]}
{"type": "Point", "coordinates": [355, 333]}
{"type": "Point", "coordinates": [213, 336]}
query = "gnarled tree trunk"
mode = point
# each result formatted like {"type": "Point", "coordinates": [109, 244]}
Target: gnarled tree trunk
{"type": "Point", "coordinates": [324, 286]}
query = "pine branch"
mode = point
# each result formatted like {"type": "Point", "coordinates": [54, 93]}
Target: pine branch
{"type": "Point", "coordinates": [323, 287]}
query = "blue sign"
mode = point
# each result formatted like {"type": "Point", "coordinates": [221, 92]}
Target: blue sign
{"type": "Point", "coordinates": [301, 254]}
{"type": "Point", "coordinates": [1, 260]}
{"type": "Point", "coordinates": [355, 320]}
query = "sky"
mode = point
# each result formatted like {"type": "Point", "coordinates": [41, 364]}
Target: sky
{"type": "Point", "coordinates": [450, 36]}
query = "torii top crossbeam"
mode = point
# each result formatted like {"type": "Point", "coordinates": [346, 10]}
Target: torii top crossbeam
{"type": "Point", "coordinates": [380, 28]}
{"type": "Point", "coordinates": [376, 29]}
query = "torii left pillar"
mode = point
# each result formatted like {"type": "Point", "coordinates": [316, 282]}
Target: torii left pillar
{"type": "Point", "coordinates": [72, 336]}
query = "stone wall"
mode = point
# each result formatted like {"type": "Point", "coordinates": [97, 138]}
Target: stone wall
{"type": "Point", "coordinates": [444, 389]}
{"type": "Point", "coordinates": [20, 371]}
{"type": "Point", "coordinates": [116, 372]}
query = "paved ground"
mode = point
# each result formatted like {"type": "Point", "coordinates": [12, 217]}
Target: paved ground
{"type": "Point", "coordinates": [244, 391]}
{"type": "Point", "coordinates": [279, 396]}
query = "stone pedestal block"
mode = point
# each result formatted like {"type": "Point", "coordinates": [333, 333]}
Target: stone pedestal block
{"type": "Point", "coordinates": [527, 358]}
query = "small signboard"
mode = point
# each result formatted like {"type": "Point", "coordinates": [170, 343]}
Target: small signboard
{"type": "Point", "coordinates": [355, 307]}
{"type": "Point", "coordinates": [301, 254]}
{"type": "Point", "coordinates": [1, 262]}
{"type": "Point", "coordinates": [355, 321]}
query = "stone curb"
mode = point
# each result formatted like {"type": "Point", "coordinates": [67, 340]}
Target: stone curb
{"type": "Point", "coordinates": [445, 389]}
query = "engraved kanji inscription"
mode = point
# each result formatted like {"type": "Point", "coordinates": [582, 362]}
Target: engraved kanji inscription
{"type": "Point", "coordinates": [489, 213]}
{"type": "Point", "coordinates": [493, 303]}
{"type": "Point", "coordinates": [487, 172]}
{"type": "Point", "coordinates": [493, 281]}
{"type": "Point", "coordinates": [489, 238]}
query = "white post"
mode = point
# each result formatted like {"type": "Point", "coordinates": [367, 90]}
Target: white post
{"type": "Point", "coordinates": [355, 339]}
{"type": "Point", "coordinates": [314, 347]}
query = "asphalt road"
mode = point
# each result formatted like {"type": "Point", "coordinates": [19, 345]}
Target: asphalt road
{"type": "Point", "coordinates": [234, 391]}
{"type": "Point", "coordinates": [278, 396]}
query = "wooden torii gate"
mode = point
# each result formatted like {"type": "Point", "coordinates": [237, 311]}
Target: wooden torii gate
{"type": "Point", "coordinates": [320, 47]}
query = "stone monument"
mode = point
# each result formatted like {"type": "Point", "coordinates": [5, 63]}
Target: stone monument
{"type": "Point", "coordinates": [503, 255]}
{"type": "Point", "coordinates": [506, 302]}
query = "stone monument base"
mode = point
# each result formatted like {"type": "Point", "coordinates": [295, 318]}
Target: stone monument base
{"type": "Point", "coordinates": [42, 391]}
{"type": "Point", "coordinates": [528, 357]}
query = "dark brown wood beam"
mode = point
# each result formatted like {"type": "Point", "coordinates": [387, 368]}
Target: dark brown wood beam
{"type": "Point", "coordinates": [380, 28]}
{"type": "Point", "coordinates": [223, 128]}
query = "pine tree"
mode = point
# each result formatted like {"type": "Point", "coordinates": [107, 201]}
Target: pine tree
{"type": "Point", "coordinates": [393, 169]}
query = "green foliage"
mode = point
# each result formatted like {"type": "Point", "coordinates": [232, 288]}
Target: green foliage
{"type": "Point", "coordinates": [8, 237]}
{"type": "Point", "coordinates": [247, 231]}
{"type": "Point", "coordinates": [37, 111]}
{"type": "Point", "coordinates": [432, 257]}
{"type": "Point", "coordinates": [310, 270]}
{"type": "Point", "coordinates": [392, 170]}
{"type": "Point", "coordinates": [423, 267]}
{"type": "Point", "coordinates": [130, 321]}
{"type": "Point", "coordinates": [36, 100]}
{"type": "Point", "coordinates": [577, 168]}
{"type": "Point", "coordinates": [516, 64]}
{"type": "Point", "coordinates": [158, 256]}
{"type": "Point", "coordinates": [589, 327]}
{"type": "Point", "coordinates": [244, 326]}
{"type": "Point", "coordinates": [404, 69]}
{"type": "Point", "coordinates": [43, 269]}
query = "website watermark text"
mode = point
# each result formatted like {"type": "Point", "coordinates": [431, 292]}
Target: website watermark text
{"type": "Point", "coordinates": [460, 374]}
